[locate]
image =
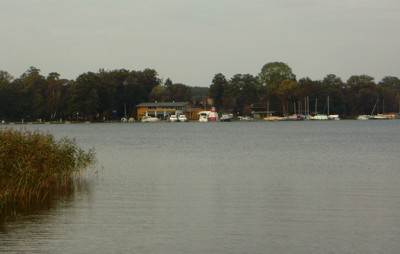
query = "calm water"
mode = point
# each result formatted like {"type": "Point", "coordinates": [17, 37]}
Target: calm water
{"type": "Point", "coordinates": [240, 187]}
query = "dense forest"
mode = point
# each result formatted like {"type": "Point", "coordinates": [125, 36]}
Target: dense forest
{"type": "Point", "coordinates": [104, 95]}
{"type": "Point", "coordinates": [277, 86]}
{"type": "Point", "coordinates": [110, 95]}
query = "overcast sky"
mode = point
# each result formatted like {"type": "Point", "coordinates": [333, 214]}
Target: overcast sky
{"type": "Point", "coordinates": [190, 41]}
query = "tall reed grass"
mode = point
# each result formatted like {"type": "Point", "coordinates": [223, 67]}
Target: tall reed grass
{"type": "Point", "coordinates": [35, 168]}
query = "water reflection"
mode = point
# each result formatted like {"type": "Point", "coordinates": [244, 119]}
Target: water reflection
{"type": "Point", "coordinates": [81, 184]}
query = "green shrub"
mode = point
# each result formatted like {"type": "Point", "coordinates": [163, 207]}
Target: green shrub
{"type": "Point", "coordinates": [35, 168]}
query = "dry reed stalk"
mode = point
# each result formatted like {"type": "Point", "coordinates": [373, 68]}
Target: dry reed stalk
{"type": "Point", "coordinates": [34, 168]}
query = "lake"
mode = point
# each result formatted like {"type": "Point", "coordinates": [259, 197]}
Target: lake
{"type": "Point", "coordinates": [226, 187]}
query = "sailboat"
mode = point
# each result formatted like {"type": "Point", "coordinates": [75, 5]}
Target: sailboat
{"type": "Point", "coordinates": [377, 116]}
{"type": "Point", "coordinates": [269, 116]}
{"type": "Point", "coordinates": [332, 117]}
{"type": "Point", "coordinates": [318, 116]}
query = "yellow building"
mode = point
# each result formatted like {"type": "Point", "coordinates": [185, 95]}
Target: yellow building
{"type": "Point", "coordinates": [163, 110]}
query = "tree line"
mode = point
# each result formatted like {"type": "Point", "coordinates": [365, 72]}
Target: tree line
{"type": "Point", "coordinates": [112, 94]}
{"type": "Point", "coordinates": [102, 95]}
{"type": "Point", "coordinates": [276, 86]}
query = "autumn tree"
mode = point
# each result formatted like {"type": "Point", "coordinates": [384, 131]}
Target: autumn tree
{"type": "Point", "coordinates": [276, 72]}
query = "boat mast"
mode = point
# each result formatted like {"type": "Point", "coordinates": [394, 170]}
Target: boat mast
{"type": "Point", "coordinates": [328, 105]}
{"type": "Point", "coordinates": [316, 101]}
{"type": "Point", "coordinates": [294, 104]}
{"type": "Point", "coordinates": [374, 106]}
{"type": "Point", "coordinates": [299, 106]}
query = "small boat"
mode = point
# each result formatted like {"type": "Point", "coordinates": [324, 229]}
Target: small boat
{"type": "Point", "coordinates": [173, 118]}
{"type": "Point", "coordinates": [213, 116]}
{"type": "Point", "coordinates": [182, 118]}
{"type": "Point", "coordinates": [225, 118]}
{"type": "Point", "coordinates": [245, 118]}
{"type": "Point", "coordinates": [203, 116]}
{"type": "Point", "coordinates": [294, 117]}
{"type": "Point", "coordinates": [333, 117]}
{"type": "Point", "coordinates": [363, 117]}
{"type": "Point", "coordinates": [319, 117]}
{"type": "Point", "coordinates": [273, 118]}
{"type": "Point", "coordinates": [147, 119]}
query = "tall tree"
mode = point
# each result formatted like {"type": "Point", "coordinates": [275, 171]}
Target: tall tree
{"type": "Point", "coordinates": [8, 96]}
{"type": "Point", "coordinates": [138, 86]}
{"type": "Point", "coordinates": [360, 94]}
{"type": "Point", "coordinates": [247, 89]}
{"type": "Point", "coordinates": [390, 82]}
{"type": "Point", "coordinates": [216, 91]}
{"type": "Point", "coordinates": [53, 95]}
{"type": "Point", "coordinates": [332, 80]}
{"type": "Point", "coordinates": [168, 82]}
{"type": "Point", "coordinates": [85, 99]}
{"type": "Point", "coordinates": [5, 77]}
{"type": "Point", "coordinates": [276, 72]}
{"type": "Point", "coordinates": [34, 87]}
{"type": "Point", "coordinates": [360, 80]}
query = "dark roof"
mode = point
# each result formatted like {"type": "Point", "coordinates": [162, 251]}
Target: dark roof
{"type": "Point", "coordinates": [162, 104]}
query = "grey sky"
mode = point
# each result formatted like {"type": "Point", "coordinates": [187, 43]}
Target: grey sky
{"type": "Point", "coordinates": [190, 41]}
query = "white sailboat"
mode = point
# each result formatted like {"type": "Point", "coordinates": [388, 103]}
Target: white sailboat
{"type": "Point", "coordinates": [378, 116]}
{"type": "Point", "coordinates": [318, 116]}
{"type": "Point", "coordinates": [332, 117]}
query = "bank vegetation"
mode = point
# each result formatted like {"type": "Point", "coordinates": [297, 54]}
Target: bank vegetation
{"type": "Point", "coordinates": [36, 169]}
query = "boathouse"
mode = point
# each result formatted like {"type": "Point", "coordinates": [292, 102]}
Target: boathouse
{"type": "Point", "coordinates": [163, 110]}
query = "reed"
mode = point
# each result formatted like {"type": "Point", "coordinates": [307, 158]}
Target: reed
{"type": "Point", "coordinates": [36, 168]}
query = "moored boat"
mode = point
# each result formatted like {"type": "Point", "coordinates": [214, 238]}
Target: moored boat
{"type": "Point", "coordinates": [225, 118]}
{"type": "Point", "coordinates": [147, 119]}
{"type": "Point", "coordinates": [294, 117]}
{"type": "Point", "coordinates": [182, 118]}
{"type": "Point", "coordinates": [362, 117]}
{"type": "Point", "coordinates": [319, 117]}
{"type": "Point", "coordinates": [333, 117]}
{"type": "Point", "coordinates": [213, 116]}
{"type": "Point", "coordinates": [173, 118]}
{"type": "Point", "coordinates": [378, 117]}
{"type": "Point", "coordinates": [203, 116]}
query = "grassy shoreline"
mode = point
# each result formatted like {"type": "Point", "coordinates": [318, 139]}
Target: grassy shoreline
{"type": "Point", "coordinates": [35, 168]}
